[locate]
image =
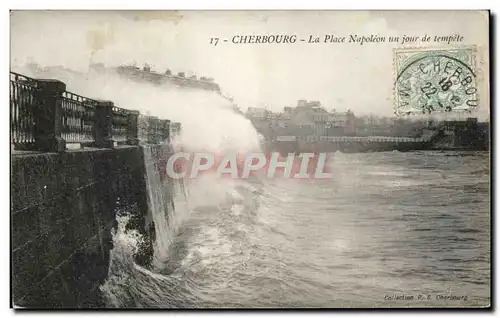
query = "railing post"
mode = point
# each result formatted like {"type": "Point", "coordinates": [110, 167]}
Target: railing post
{"type": "Point", "coordinates": [48, 117]}
{"type": "Point", "coordinates": [166, 130]}
{"type": "Point", "coordinates": [178, 129]}
{"type": "Point", "coordinates": [103, 124]}
{"type": "Point", "coordinates": [152, 130]}
{"type": "Point", "coordinates": [133, 128]}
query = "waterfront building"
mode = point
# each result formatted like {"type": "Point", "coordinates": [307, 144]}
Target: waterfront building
{"type": "Point", "coordinates": [146, 73]}
{"type": "Point", "coordinates": [307, 118]}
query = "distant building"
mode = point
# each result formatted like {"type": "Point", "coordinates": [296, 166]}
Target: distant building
{"type": "Point", "coordinates": [147, 74]}
{"type": "Point", "coordinates": [257, 113]}
{"type": "Point", "coordinates": [307, 118]}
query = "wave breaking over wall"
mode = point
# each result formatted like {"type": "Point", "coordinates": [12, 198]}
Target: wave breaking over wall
{"type": "Point", "coordinates": [208, 124]}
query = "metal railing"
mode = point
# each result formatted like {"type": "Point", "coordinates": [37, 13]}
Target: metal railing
{"type": "Point", "coordinates": [22, 110]}
{"type": "Point", "coordinates": [77, 118]}
{"type": "Point", "coordinates": [120, 124]}
{"type": "Point", "coordinates": [44, 116]}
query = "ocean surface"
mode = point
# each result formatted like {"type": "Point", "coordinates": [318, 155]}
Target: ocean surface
{"type": "Point", "coordinates": [390, 229]}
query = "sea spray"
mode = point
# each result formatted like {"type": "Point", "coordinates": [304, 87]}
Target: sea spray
{"type": "Point", "coordinates": [126, 242]}
{"type": "Point", "coordinates": [121, 288]}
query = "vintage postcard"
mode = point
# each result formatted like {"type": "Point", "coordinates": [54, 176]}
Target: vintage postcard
{"type": "Point", "coordinates": [250, 159]}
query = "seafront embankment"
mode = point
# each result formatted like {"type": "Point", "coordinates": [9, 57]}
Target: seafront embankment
{"type": "Point", "coordinates": [76, 163]}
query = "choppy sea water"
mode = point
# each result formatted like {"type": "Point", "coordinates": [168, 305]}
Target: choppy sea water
{"type": "Point", "coordinates": [389, 230]}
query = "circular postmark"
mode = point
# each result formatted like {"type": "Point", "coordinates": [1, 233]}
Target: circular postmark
{"type": "Point", "coordinates": [435, 82]}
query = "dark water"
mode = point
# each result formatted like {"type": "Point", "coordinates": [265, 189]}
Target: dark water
{"type": "Point", "coordinates": [388, 224]}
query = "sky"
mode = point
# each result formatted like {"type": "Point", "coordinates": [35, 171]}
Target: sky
{"type": "Point", "coordinates": [341, 76]}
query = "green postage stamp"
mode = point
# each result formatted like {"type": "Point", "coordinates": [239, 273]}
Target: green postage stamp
{"type": "Point", "coordinates": [434, 80]}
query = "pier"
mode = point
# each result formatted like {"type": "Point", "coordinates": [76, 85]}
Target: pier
{"type": "Point", "coordinates": [75, 163]}
{"type": "Point", "coordinates": [371, 139]}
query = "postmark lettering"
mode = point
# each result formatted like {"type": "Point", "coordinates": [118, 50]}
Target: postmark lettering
{"type": "Point", "coordinates": [435, 81]}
